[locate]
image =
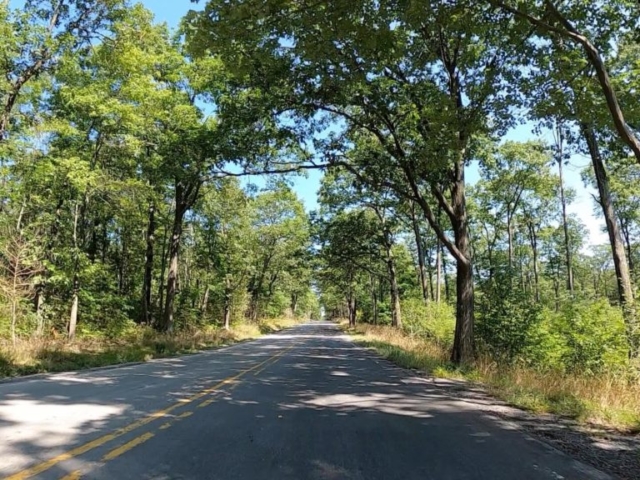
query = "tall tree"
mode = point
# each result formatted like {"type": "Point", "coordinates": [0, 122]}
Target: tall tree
{"type": "Point", "coordinates": [38, 35]}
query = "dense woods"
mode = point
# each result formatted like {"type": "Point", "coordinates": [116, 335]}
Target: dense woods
{"type": "Point", "coordinates": [125, 150]}
{"type": "Point", "coordinates": [115, 209]}
{"type": "Point", "coordinates": [402, 99]}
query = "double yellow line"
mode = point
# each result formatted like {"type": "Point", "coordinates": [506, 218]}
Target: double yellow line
{"type": "Point", "coordinates": [98, 442]}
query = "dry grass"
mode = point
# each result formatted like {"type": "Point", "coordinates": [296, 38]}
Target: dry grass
{"type": "Point", "coordinates": [607, 399]}
{"type": "Point", "coordinates": [39, 355]}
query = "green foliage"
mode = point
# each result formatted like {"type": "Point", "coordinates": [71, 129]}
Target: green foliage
{"type": "Point", "coordinates": [595, 337]}
{"type": "Point", "coordinates": [435, 321]}
{"type": "Point", "coordinates": [119, 141]}
{"type": "Point", "coordinates": [584, 336]}
{"type": "Point", "coordinates": [509, 321]}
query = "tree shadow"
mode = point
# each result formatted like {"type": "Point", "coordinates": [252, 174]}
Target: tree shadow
{"type": "Point", "coordinates": [327, 409]}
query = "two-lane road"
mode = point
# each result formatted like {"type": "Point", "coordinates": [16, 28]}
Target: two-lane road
{"type": "Point", "coordinates": [303, 404]}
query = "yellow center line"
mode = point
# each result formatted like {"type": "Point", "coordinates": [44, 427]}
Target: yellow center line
{"type": "Point", "coordinates": [164, 426]}
{"type": "Point", "coordinates": [206, 403]}
{"type": "Point", "coordinates": [258, 372]}
{"type": "Point", "coordinates": [275, 359]}
{"type": "Point", "coordinates": [98, 442]}
{"type": "Point", "coordinates": [73, 476]}
{"type": "Point", "coordinates": [116, 452]}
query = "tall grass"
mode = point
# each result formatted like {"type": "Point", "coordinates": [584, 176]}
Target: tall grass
{"type": "Point", "coordinates": [39, 355]}
{"type": "Point", "coordinates": [611, 399]}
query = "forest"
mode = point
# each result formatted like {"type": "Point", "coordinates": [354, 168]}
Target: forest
{"type": "Point", "coordinates": [128, 151]}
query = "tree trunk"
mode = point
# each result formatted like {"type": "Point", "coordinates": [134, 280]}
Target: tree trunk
{"type": "Point", "coordinates": [565, 223]}
{"type": "Point", "coordinates": [226, 317]}
{"type": "Point", "coordinates": [533, 238]}
{"type": "Point", "coordinates": [185, 197]}
{"type": "Point", "coordinates": [163, 268]}
{"type": "Point", "coordinates": [73, 317]}
{"type": "Point", "coordinates": [146, 316]}
{"type": "Point", "coordinates": [439, 272]}
{"type": "Point", "coordinates": [375, 308]}
{"type": "Point", "coordinates": [254, 305]}
{"type": "Point", "coordinates": [172, 273]}
{"type": "Point", "coordinates": [39, 303]}
{"type": "Point", "coordinates": [14, 306]}
{"type": "Point", "coordinates": [122, 270]}
{"type": "Point", "coordinates": [396, 315]}
{"type": "Point", "coordinates": [430, 273]}
{"type": "Point", "coordinates": [463, 343]}
{"type": "Point", "coordinates": [521, 263]}
{"type": "Point", "coordinates": [463, 348]}
{"type": "Point", "coordinates": [460, 249]}
{"type": "Point", "coordinates": [226, 309]}
{"type": "Point", "coordinates": [623, 277]}
{"type": "Point", "coordinates": [354, 311]}
{"type": "Point", "coordinates": [626, 235]}
{"type": "Point", "coordinates": [443, 261]}
{"type": "Point", "coordinates": [556, 289]}
{"type": "Point", "coordinates": [510, 243]}
{"type": "Point", "coordinates": [374, 299]}
{"type": "Point", "coordinates": [422, 276]}
{"type": "Point", "coordinates": [351, 308]}
{"type": "Point", "coordinates": [205, 300]}
{"type": "Point", "coordinates": [255, 288]}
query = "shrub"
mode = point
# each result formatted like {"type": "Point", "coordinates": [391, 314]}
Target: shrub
{"type": "Point", "coordinates": [509, 322]}
{"type": "Point", "coordinates": [433, 320]}
{"type": "Point", "coordinates": [595, 336]}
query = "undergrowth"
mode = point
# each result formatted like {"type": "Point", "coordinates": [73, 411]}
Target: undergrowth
{"type": "Point", "coordinates": [141, 344]}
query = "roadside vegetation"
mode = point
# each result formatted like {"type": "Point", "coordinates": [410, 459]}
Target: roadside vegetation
{"type": "Point", "coordinates": [123, 236]}
{"type": "Point", "coordinates": [608, 395]}
{"type": "Point", "coordinates": [138, 344]}
{"type": "Point", "coordinates": [147, 201]}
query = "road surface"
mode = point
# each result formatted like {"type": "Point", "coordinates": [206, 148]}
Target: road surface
{"type": "Point", "coordinates": [306, 403]}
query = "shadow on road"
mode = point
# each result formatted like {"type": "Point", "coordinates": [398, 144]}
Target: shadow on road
{"type": "Point", "coordinates": [328, 409]}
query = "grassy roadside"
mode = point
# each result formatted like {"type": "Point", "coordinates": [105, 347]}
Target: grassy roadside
{"type": "Point", "coordinates": [141, 345]}
{"type": "Point", "coordinates": [609, 400]}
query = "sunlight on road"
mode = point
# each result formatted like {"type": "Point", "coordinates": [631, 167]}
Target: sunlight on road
{"type": "Point", "coordinates": [27, 426]}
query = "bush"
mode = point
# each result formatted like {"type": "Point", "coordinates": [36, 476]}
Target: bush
{"type": "Point", "coordinates": [595, 337]}
{"type": "Point", "coordinates": [509, 322]}
{"type": "Point", "coordinates": [585, 336]}
{"type": "Point", "coordinates": [434, 320]}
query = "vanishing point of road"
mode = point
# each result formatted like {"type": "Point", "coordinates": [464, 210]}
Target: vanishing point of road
{"type": "Point", "coordinates": [306, 403]}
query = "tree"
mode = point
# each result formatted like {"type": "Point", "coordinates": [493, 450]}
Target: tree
{"type": "Point", "coordinates": [281, 230]}
{"type": "Point", "coordinates": [37, 36]}
{"type": "Point", "coordinates": [372, 90]}
{"type": "Point", "coordinates": [575, 23]}
{"type": "Point", "coordinates": [349, 254]}
{"type": "Point", "coordinates": [341, 191]}
{"type": "Point", "coordinates": [226, 242]}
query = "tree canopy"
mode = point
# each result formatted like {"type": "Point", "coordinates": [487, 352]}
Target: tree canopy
{"type": "Point", "coordinates": [126, 149]}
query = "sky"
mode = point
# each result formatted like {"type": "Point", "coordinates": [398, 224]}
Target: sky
{"type": "Point", "coordinates": [171, 11]}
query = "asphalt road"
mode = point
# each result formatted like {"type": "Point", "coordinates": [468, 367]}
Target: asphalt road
{"type": "Point", "coordinates": [306, 403]}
